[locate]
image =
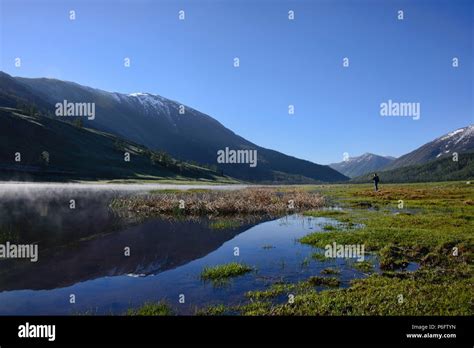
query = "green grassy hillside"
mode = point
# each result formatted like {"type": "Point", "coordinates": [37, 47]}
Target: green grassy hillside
{"type": "Point", "coordinates": [54, 150]}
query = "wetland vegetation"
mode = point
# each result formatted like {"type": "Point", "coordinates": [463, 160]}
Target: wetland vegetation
{"type": "Point", "coordinates": [418, 241]}
{"type": "Point", "coordinates": [428, 225]}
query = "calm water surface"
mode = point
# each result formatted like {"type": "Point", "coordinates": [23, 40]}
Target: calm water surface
{"type": "Point", "coordinates": [81, 252]}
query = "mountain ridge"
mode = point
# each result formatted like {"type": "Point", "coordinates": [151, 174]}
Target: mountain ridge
{"type": "Point", "coordinates": [441, 169]}
{"type": "Point", "coordinates": [156, 122]}
{"type": "Point", "coordinates": [460, 140]}
{"type": "Point", "coordinates": [359, 165]}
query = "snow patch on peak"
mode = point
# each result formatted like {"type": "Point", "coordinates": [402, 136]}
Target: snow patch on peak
{"type": "Point", "coordinates": [138, 94]}
{"type": "Point", "coordinates": [151, 102]}
{"type": "Point", "coordinates": [460, 137]}
{"type": "Point", "coordinates": [453, 133]}
{"type": "Point", "coordinates": [154, 104]}
{"type": "Point", "coordinates": [364, 157]}
{"type": "Point", "coordinates": [462, 132]}
{"type": "Point", "coordinates": [148, 97]}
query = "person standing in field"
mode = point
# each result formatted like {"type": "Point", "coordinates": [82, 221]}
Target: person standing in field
{"type": "Point", "coordinates": [376, 180]}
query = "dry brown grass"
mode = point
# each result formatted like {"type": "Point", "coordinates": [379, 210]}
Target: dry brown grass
{"type": "Point", "coordinates": [252, 201]}
{"type": "Point", "coordinates": [394, 194]}
{"type": "Point", "coordinates": [411, 192]}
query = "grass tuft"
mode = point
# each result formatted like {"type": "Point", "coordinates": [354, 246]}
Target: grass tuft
{"type": "Point", "coordinates": [324, 281]}
{"type": "Point", "coordinates": [226, 271]}
{"type": "Point", "coordinates": [225, 224]}
{"type": "Point", "coordinates": [152, 309]}
{"type": "Point", "coordinates": [364, 266]}
{"type": "Point", "coordinates": [330, 271]}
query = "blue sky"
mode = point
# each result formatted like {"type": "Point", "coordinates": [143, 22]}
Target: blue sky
{"type": "Point", "coordinates": [282, 62]}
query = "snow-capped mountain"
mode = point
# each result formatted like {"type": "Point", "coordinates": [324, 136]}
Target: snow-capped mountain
{"type": "Point", "coordinates": [366, 163]}
{"type": "Point", "coordinates": [163, 124]}
{"type": "Point", "coordinates": [460, 141]}
{"type": "Point", "coordinates": [150, 104]}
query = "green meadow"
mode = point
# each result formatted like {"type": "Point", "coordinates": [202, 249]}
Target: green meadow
{"type": "Point", "coordinates": [430, 225]}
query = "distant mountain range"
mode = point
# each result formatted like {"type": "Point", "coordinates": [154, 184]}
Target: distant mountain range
{"type": "Point", "coordinates": [149, 125]}
{"type": "Point", "coordinates": [431, 162]}
{"type": "Point", "coordinates": [442, 169]}
{"type": "Point", "coordinates": [356, 166]}
{"type": "Point", "coordinates": [162, 124]}
{"type": "Point", "coordinates": [460, 140]}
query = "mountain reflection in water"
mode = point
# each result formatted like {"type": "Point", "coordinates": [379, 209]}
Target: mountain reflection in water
{"type": "Point", "coordinates": [89, 242]}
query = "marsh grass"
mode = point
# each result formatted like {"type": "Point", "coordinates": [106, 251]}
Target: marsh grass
{"type": "Point", "coordinates": [215, 310]}
{"type": "Point", "coordinates": [152, 309]}
{"type": "Point", "coordinates": [250, 201]}
{"type": "Point", "coordinates": [329, 228]}
{"type": "Point", "coordinates": [224, 224]}
{"type": "Point", "coordinates": [273, 291]}
{"type": "Point", "coordinates": [378, 295]}
{"type": "Point", "coordinates": [330, 271]}
{"type": "Point", "coordinates": [224, 272]}
{"type": "Point", "coordinates": [443, 217]}
{"type": "Point", "coordinates": [436, 219]}
{"type": "Point", "coordinates": [364, 266]}
{"type": "Point", "coordinates": [443, 223]}
{"type": "Point", "coordinates": [255, 308]}
{"type": "Point", "coordinates": [324, 281]}
{"type": "Point", "coordinates": [425, 292]}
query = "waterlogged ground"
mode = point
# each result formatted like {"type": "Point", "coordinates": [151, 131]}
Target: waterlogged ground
{"type": "Point", "coordinates": [418, 240]}
{"type": "Point", "coordinates": [81, 253]}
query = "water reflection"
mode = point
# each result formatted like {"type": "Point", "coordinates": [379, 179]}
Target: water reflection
{"type": "Point", "coordinates": [94, 241]}
{"type": "Point", "coordinates": [81, 252]}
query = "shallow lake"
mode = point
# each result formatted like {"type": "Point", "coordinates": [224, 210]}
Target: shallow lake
{"type": "Point", "coordinates": [81, 252]}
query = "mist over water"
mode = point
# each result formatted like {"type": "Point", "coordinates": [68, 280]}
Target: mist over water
{"type": "Point", "coordinates": [35, 190]}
